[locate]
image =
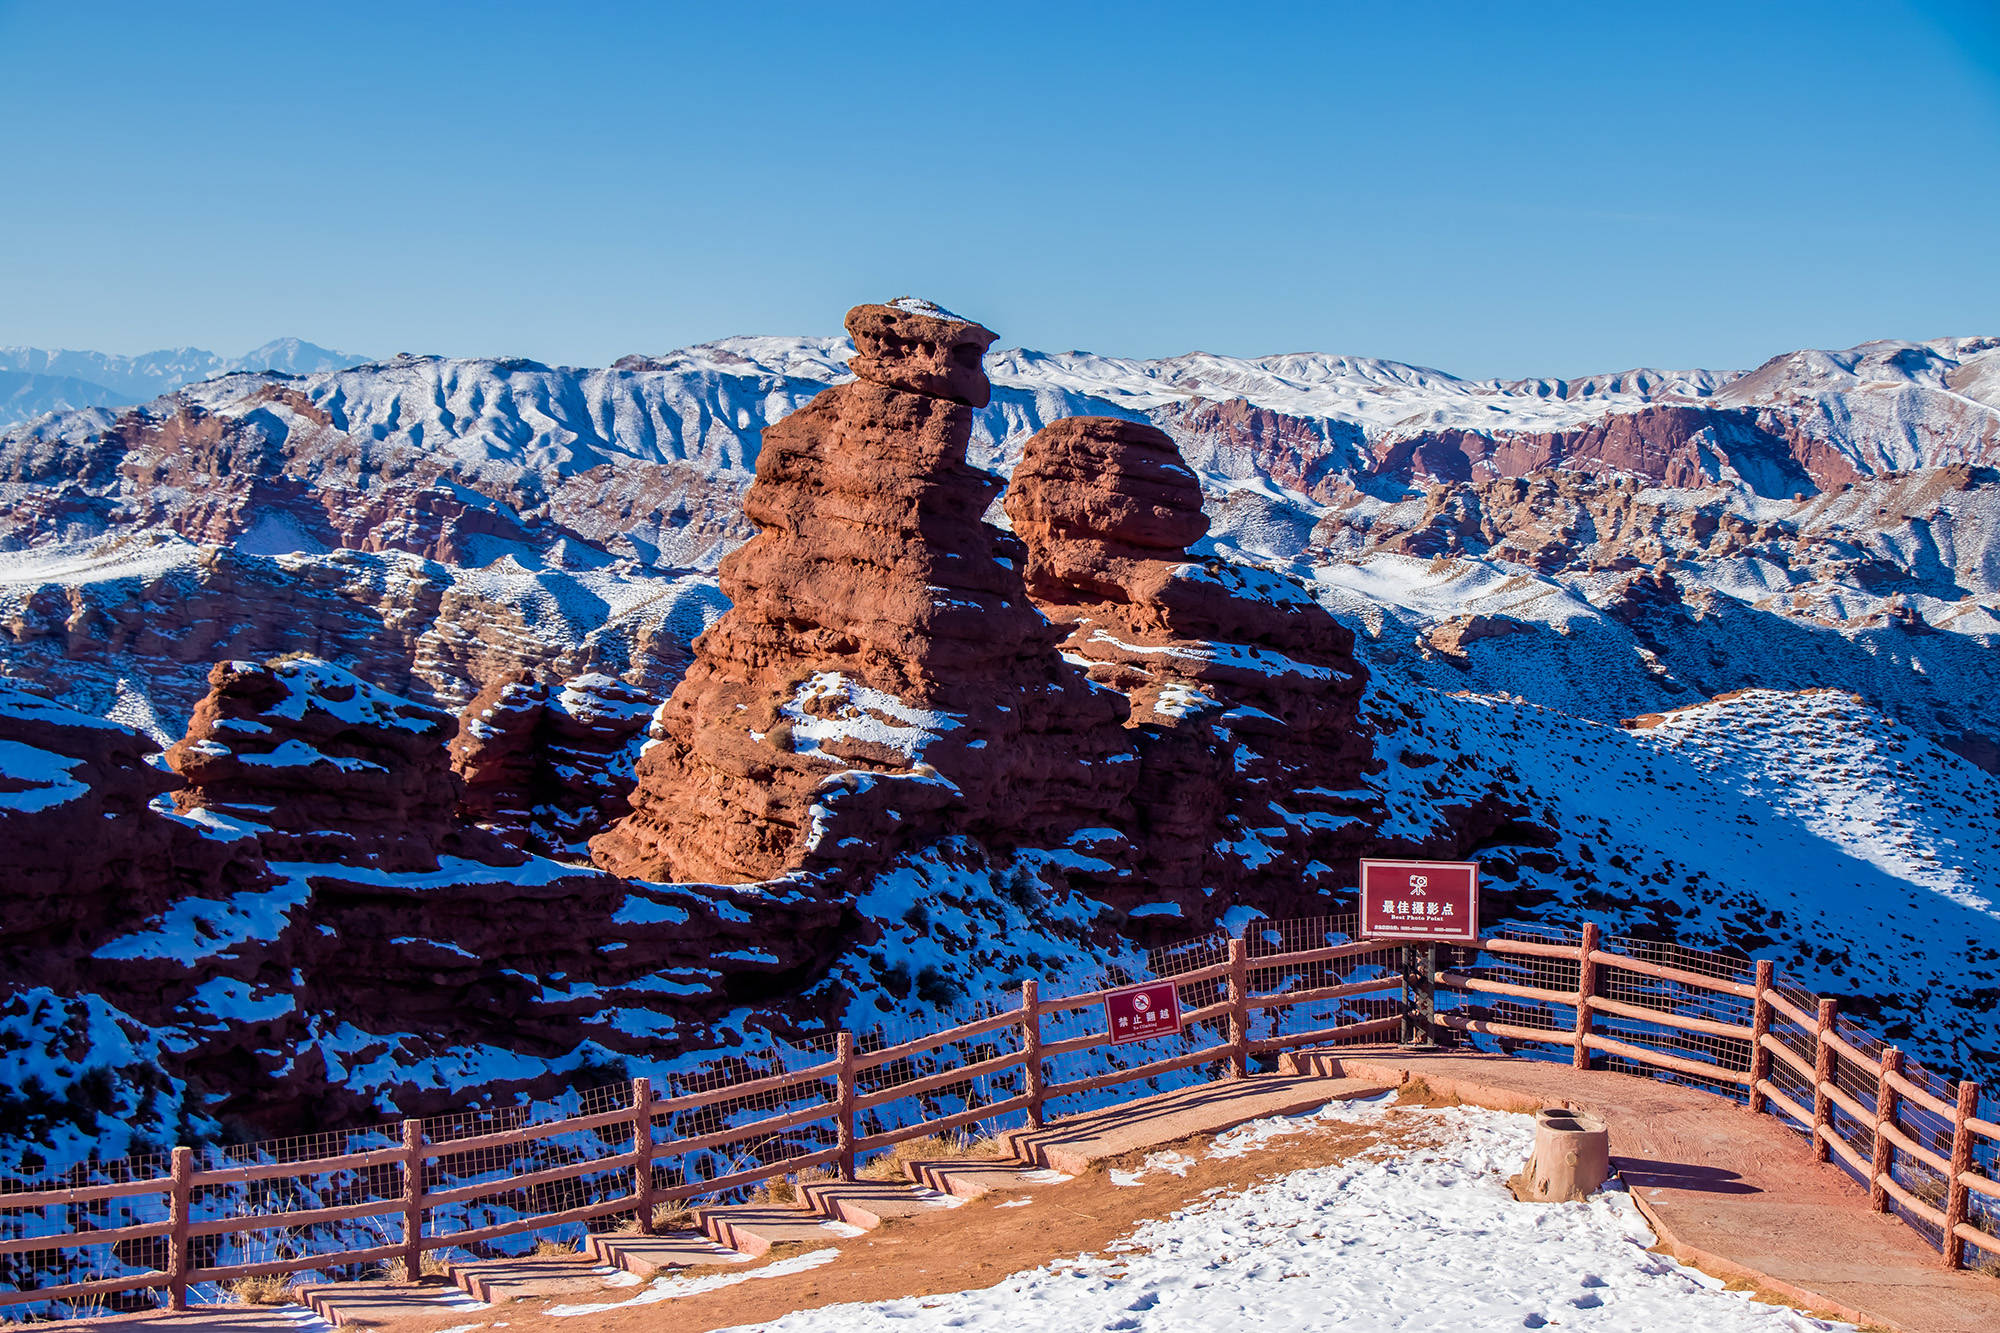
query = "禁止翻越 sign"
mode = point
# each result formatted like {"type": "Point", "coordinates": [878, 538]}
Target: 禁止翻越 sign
{"type": "Point", "coordinates": [1420, 900]}
{"type": "Point", "coordinates": [1134, 1013]}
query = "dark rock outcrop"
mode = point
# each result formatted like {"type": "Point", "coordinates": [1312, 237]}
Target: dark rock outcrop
{"type": "Point", "coordinates": [549, 769]}
{"type": "Point", "coordinates": [320, 766]}
{"type": "Point", "coordinates": [86, 854]}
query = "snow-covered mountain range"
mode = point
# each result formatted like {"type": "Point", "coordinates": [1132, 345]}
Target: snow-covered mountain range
{"type": "Point", "coordinates": [1526, 565]}
{"type": "Point", "coordinates": [1806, 523]}
{"type": "Point", "coordinates": [35, 380]}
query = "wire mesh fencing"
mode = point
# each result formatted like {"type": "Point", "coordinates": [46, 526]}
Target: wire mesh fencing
{"type": "Point", "coordinates": [495, 1180]}
{"type": "Point", "coordinates": [25, 1265]}
{"type": "Point", "coordinates": [1682, 1007]}
{"type": "Point", "coordinates": [916, 1087]}
{"type": "Point", "coordinates": [1922, 1165]}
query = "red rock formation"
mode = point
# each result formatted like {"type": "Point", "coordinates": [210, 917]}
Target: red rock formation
{"type": "Point", "coordinates": [1451, 638]}
{"type": "Point", "coordinates": [548, 772]}
{"type": "Point", "coordinates": [1243, 689]}
{"type": "Point", "coordinates": [321, 766]}
{"type": "Point", "coordinates": [881, 676]}
{"type": "Point", "coordinates": [85, 852]}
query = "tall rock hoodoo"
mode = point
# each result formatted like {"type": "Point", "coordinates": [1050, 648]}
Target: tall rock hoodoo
{"type": "Point", "coordinates": [1243, 690]}
{"type": "Point", "coordinates": [881, 677]}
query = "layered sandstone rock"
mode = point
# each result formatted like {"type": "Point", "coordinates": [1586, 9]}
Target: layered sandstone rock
{"type": "Point", "coordinates": [1243, 690]}
{"type": "Point", "coordinates": [882, 675]}
{"type": "Point", "coordinates": [549, 769]}
{"type": "Point", "coordinates": [320, 765]}
{"type": "Point", "coordinates": [85, 851]}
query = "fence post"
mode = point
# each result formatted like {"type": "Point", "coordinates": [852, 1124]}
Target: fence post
{"type": "Point", "coordinates": [1239, 1009]}
{"type": "Point", "coordinates": [845, 1140]}
{"type": "Point", "coordinates": [1823, 1071]}
{"type": "Point", "coordinates": [1586, 988]}
{"type": "Point", "coordinates": [1760, 1028]}
{"type": "Point", "coordinates": [1885, 1114]}
{"type": "Point", "coordinates": [413, 1200]}
{"type": "Point", "coordinates": [180, 1202]}
{"type": "Point", "coordinates": [1031, 1049]}
{"type": "Point", "coordinates": [642, 1146]}
{"type": "Point", "coordinates": [1956, 1197]}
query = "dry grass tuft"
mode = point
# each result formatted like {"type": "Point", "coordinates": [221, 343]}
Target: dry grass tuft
{"type": "Point", "coordinates": [892, 1164]}
{"type": "Point", "coordinates": [1419, 1092]}
{"type": "Point", "coordinates": [434, 1265]}
{"type": "Point", "coordinates": [784, 1190]}
{"type": "Point", "coordinates": [675, 1216]}
{"type": "Point", "coordinates": [545, 1248]}
{"type": "Point", "coordinates": [265, 1289]}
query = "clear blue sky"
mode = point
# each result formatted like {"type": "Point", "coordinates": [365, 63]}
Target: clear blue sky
{"type": "Point", "coordinates": [1489, 188]}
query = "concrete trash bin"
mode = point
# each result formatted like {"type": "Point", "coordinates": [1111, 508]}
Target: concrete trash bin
{"type": "Point", "coordinates": [1572, 1157]}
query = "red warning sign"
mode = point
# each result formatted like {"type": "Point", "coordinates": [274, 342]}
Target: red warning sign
{"type": "Point", "coordinates": [1420, 900]}
{"type": "Point", "coordinates": [1138, 1012]}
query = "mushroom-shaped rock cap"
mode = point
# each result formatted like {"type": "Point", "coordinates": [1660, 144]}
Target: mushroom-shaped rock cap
{"type": "Point", "coordinates": [923, 348]}
{"type": "Point", "coordinates": [1104, 479]}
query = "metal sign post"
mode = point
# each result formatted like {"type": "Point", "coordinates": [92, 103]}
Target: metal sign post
{"type": "Point", "coordinates": [1420, 968]}
{"type": "Point", "coordinates": [1420, 903]}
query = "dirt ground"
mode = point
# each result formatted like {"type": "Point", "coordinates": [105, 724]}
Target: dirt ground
{"type": "Point", "coordinates": [974, 1246]}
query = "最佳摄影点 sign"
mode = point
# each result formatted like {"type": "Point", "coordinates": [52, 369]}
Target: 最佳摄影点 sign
{"type": "Point", "coordinates": [1420, 900]}
{"type": "Point", "coordinates": [1135, 1013]}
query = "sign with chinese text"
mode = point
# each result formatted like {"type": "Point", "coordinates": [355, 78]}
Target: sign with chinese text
{"type": "Point", "coordinates": [1420, 900]}
{"type": "Point", "coordinates": [1138, 1012]}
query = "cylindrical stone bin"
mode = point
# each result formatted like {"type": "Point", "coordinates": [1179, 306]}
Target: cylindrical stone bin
{"type": "Point", "coordinates": [1572, 1157]}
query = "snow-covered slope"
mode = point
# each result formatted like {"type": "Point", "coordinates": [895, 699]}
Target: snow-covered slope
{"type": "Point", "coordinates": [1800, 826]}
{"type": "Point", "coordinates": [1416, 1231]}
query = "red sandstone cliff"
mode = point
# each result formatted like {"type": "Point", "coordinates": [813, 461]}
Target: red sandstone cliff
{"type": "Point", "coordinates": [85, 852]}
{"type": "Point", "coordinates": [1243, 689]}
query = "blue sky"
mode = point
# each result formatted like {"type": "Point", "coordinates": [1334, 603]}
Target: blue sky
{"type": "Point", "coordinates": [1488, 188]}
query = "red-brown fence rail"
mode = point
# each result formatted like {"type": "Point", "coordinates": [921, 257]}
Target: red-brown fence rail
{"type": "Point", "coordinates": [1724, 1024]}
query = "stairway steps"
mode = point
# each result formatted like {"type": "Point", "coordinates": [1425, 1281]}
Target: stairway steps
{"type": "Point", "coordinates": [497, 1281]}
{"type": "Point", "coordinates": [753, 1228]}
{"type": "Point", "coordinates": [869, 1203]}
{"type": "Point", "coordinates": [646, 1255]}
{"type": "Point", "coordinates": [364, 1304]}
{"type": "Point", "coordinates": [971, 1177]}
{"type": "Point", "coordinates": [1074, 1144]}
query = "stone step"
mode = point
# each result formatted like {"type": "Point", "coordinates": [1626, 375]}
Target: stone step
{"type": "Point", "coordinates": [753, 1228]}
{"type": "Point", "coordinates": [869, 1203]}
{"type": "Point", "coordinates": [972, 1177]}
{"type": "Point", "coordinates": [1075, 1143]}
{"type": "Point", "coordinates": [212, 1319]}
{"type": "Point", "coordinates": [1312, 1064]}
{"type": "Point", "coordinates": [647, 1255]}
{"type": "Point", "coordinates": [367, 1304]}
{"type": "Point", "coordinates": [497, 1281]}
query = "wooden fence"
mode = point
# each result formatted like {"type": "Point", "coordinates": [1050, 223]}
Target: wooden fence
{"type": "Point", "coordinates": [1647, 1008]}
{"type": "Point", "coordinates": [1733, 1026]}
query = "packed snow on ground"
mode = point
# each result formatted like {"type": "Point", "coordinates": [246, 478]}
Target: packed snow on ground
{"type": "Point", "coordinates": [1419, 1234]}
